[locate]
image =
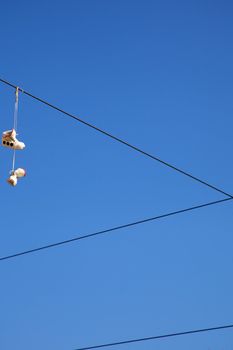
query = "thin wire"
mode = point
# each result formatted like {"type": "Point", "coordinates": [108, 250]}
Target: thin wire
{"type": "Point", "coordinates": [119, 140]}
{"type": "Point", "coordinates": [16, 107]}
{"type": "Point", "coordinates": [13, 162]}
{"type": "Point", "coordinates": [52, 245]}
{"type": "Point", "coordinates": [15, 123]}
{"type": "Point", "coordinates": [202, 330]}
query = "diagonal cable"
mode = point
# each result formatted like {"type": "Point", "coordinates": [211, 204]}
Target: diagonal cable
{"type": "Point", "coordinates": [156, 337]}
{"type": "Point", "coordinates": [139, 150]}
{"type": "Point", "coordinates": [116, 228]}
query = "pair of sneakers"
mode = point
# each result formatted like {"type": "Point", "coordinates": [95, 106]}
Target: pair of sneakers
{"type": "Point", "coordinates": [9, 140]}
{"type": "Point", "coordinates": [15, 174]}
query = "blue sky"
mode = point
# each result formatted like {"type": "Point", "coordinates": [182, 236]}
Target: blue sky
{"type": "Point", "coordinates": [158, 74]}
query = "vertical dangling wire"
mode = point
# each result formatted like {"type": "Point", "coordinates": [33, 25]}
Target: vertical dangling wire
{"type": "Point", "coordinates": [15, 122]}
{"type": "Point", "coordinates": [16, 108]}
{"type": "Point", "coordinates": [13, 162]}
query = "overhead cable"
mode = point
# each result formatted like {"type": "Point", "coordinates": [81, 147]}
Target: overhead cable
{"type": "Point", "coordinates": [102, 232]}
{"type": "Point", "coordinates": [156, 337]}
{"type": "Point", "coordinates": [126, 143]}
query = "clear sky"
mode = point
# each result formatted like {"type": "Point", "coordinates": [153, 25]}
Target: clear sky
{"type": "Point", "coordinates": [158, 74]}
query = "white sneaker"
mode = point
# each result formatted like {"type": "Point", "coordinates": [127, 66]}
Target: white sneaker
{"type": "Point", "coordinates": [20, 172]}
{"type": "Point", "coordinates": [13, 179]}
{"type": "Point", "coordinates": [9, 140]}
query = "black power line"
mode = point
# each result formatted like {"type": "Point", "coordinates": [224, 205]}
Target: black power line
{"type": "Point", "coordinates": [52, 245]}
{"type": "Point", "coordinates": [202, 330]}
{"type": "Point", "coordinates": [118, 139]}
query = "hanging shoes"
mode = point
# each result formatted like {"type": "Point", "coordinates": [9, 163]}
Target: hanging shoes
{"type": "Point", "coordinates": [13, 179]}
{"type": "Point", "coordinates": [9, 140]}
